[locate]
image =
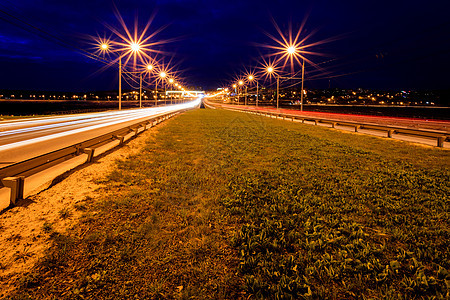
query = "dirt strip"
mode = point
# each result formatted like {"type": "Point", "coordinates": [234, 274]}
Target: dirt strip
{"type": "Point", "coordinates": [25, 230]}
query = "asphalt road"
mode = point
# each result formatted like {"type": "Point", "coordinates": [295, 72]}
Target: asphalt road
{"type": "Point", "coordinates": [23, 139]}
{"type": "Point", "coordinates": [439, 125]}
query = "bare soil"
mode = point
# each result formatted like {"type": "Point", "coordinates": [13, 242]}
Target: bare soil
{"type": "Point", "coordinates": [25, 230]}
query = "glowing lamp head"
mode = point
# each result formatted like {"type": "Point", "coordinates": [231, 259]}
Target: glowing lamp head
{"type": "Point", "coordinates": [291, 50]}
{"type": "Point", "coordinates": [234, 85]}
{"type": "Point", "coordinates": [270, 70]}
{"type": "Point", "coordinates": [149, 67]}
{"type": "Point", "coordinates": [250, 77]}
{"type": "Point", "coordinates": [171, 80]}
{"type": "Point", "coordinates": [104, 46]}
{"type": "Point", "coordinates": [162, 74]}
{"type": "Point", "coordinates": [135, 47]}
{"type": "Point", "coordinates": [241, 82]}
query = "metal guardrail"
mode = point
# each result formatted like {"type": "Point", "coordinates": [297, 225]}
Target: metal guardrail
{"type": "Point", "coordinates": [440, 136]}
{"type": "Point", "coordinates": [13, 176]}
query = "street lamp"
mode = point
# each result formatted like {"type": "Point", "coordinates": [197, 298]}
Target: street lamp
{"type": "Point", "coordinates": [292, 51]}
{"type": "Point", "coordinates": [149, 68]}
{"type": "Point", "coordinates": [251, 78]}
{"type": "Point", "coordinates": [241, 83]}
{"type": "Point", "coordinates": [135, 47]}
{"type": "Point", "coordinates": [132, 48]}
{"type": "Point", "coordinates": [271, 71]}
{"type": "Point", "coordinates": [163, 75]}
{"type": "Point", "coordinates": [104, 48]}
{"type": "Point", "coordinates": [235, 88]}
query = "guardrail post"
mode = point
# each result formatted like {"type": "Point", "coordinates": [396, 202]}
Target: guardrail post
{"type": "Point", "coordinates": [90, 153]}
{"type": "Point", "coordinates": [120, 138]}
{"type": "Point", "coordinates": [389, 133]}
{"type": "Point", "coordinates": [315, 122]}
{"type": "Point", "coordinates": [440, 141]}
{"type": "Point", "coordinates": [333, 125]}
{"type": "Point", "coordinates": [136, 130]}
{"type": "Point", "coordinates": [357, 127]}
{"type": "Point", "coordinates": [15, 184]}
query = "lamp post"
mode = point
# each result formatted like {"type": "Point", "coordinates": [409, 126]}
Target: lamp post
{"type": "Point", "coordinates": [134, 48]}
{"type": "Point", "coordinates": [235, 87]}
{"type": "Point", "coordinates": [149, 68]}
{"type": "Point", "coordinates": [278, 91]}
{"type": "Point", "coordinates": [104, 47]}
{"type": "Point", "coordinates": [120, 83]}
{"type": "Point", "coordinates": [171, 81]}
{"type": "Point", "coordinates": [245, 96]}
{"type": "Point", "coordinates": [163, 76]}
{"type": "Point", "coordinates": [241, 83]}
{"type": "Point", "coordinates": [270, 70]}
{"type": "Point", "coordinates": [251, 78]}
{"type": "Point", "coordinates": [140, 90]}
{"type": "Point", "coordinates": [303, 80]}
{"type": "Point", "coordinates": [293, 51]}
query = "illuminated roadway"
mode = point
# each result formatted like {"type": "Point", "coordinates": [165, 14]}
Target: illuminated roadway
{"type": "Point", "coordinates": [23, 139]}
{"type": "Point", "coordinates": [442, 125]}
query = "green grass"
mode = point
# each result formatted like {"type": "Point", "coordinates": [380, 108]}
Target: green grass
{"type": "Point", "coordinates": [224, 205]}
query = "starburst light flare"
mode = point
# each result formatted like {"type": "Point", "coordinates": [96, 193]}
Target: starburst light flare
{"type": "Point", "coordinates": [292, 47]}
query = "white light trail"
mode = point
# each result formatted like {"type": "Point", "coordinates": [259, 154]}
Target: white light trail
{"type": "Point", "coordinates": [92, 122]}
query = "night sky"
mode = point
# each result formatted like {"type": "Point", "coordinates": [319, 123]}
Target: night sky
{"type": "Point", "coordinates": [377, 44]}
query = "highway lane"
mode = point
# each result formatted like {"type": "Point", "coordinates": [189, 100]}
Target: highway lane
{"type": "Point", "coordinates": [441, 125]}
{"type": "Point", "coordinates": [438, 125]}
{"type": "Point", "coordinates": [39, 129]}
{"type": "Point", "coordinates": [21, 140]}
{"type": "Point", "coordinates": [16, 124]}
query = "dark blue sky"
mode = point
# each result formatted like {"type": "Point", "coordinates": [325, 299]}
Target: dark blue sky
{"type": "Point", "coordinates": [382, 44]}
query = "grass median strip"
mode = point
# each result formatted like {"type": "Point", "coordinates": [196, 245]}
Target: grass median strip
{"type": "Point", "coordinates": [225, 205]}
